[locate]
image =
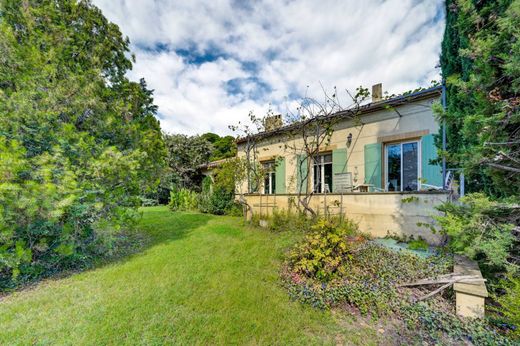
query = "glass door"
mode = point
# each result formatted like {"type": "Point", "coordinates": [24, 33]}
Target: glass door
{"type": "Point", "coordinates": [402, 166]}
{"type": "Point", "coordinates": [393, 164]}
{"type": "Point", "coordinates": [410, 166]}
{"type": "Point", "coordinates": [322, 174]}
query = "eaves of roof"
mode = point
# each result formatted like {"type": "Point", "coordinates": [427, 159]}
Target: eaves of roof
{"type": "Point", "coordinates": [363, 110]}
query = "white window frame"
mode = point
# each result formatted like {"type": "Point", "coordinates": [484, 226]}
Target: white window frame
{"type": "Point", "coordinates": [271, 172]}
{"type": "Point", "coordinates": [321, 163]}
{"type": "Point", "coordinates": [419, 160]}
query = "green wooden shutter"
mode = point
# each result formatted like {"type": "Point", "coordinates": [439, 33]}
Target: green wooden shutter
{"type": "Point", "coordinates": [301, 171]}
{"type": "Point", "coordinates": [373, 164]}
{"type": "Point", "coordinates": [339, 161]}
{"type": "Point", "coordinates": [339, 166]}
{"type": "Point", "coordinates": [431, 174]}
{"type": "Point", "coordinates": [280, 175]}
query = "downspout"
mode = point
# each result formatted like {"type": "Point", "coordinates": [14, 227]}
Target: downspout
{"type": "Point", "coordinates": [443, 100]}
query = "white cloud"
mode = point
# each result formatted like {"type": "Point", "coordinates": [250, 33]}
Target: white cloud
{"type": "Point", "coordinates": [271, 50]}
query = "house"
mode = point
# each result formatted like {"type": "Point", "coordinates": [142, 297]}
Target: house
{"type": "Point", "coordinates": [376, 169]}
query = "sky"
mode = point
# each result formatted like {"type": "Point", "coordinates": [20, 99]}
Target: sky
{"type": "Point", "coordinates": [212, 62]}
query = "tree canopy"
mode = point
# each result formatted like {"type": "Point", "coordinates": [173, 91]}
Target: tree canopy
{"type": "Point", "coordinates": [187, 153]}
{"type": "Point", "coordinates": [78, 141]}
{"type": "Point", "coordinates": [222, 147]}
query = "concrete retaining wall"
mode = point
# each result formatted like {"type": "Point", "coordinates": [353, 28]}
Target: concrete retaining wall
{"type": "Point", "coordinates": [376, 213]}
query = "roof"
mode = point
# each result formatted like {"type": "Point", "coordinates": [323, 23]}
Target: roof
{"type": "Point", "coordinates": [363, 110]}
{"type": "Point", "coordinates": [213, 164]}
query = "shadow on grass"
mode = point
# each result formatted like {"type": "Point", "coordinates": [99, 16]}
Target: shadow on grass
{"type": "Point", "coordinates": [158, 225]}
{"type": "Point", "coordinates": [163, 225]}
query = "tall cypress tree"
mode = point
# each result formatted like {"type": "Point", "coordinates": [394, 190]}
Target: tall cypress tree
{"type": "Point", "coordinates": [480, 62]}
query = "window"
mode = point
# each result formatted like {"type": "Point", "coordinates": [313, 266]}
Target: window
{"type": "Point", "coordinates": [402, 166]}
{"type": "Point", "coordinates": [322, 173]}
{"type": "Point", "coordinates": [269, 178]}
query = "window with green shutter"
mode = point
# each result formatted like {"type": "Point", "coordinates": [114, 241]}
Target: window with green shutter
{"type": "Point", "coordinates": [280, 175]}
{"type": "Point", "coordinates": [339, 161]}
{"type": "Point", "coordinates": [269, 177]}
{"type": "Point", "coordinates": [431, 173]}
{"type": "Point", "coordinates": [342, 181]}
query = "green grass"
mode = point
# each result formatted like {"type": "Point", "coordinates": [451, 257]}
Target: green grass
{"type": "Point", "coordinates": [203, 280]}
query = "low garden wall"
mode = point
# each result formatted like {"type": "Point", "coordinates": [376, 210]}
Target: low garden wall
{"type": "Point", "coordinates": [376, 213]}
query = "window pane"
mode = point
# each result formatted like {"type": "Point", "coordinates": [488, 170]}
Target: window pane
{"type": "Point", "coordinates": [327, 158]}
{"type": "Point", "coordinates": [268, 166]}
{"type": "Point", "coordinates": [410, 172]}
{"type": "Point", "coordinates": [328, 178]}
{"type": "Point", "coordinates": [266, 184]}
{"type": "Point", "coordinates": [317, 178]}
{"type": "Point", "coordinates": [273, 182]}
{"type": "Point", "coordinates": [393, 182]}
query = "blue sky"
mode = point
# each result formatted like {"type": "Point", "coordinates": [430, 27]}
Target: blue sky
{"type": "Point", "coordinates": [211, 62]}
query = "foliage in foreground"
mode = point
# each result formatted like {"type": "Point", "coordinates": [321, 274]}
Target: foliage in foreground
{"type": "Point", "coordinates": [483, 230]}
{"type": "Point", "coordinates": [78, 141]}
{"type": "Point", "coordinates": [509, 304]}
{"type": "Point", "coordinates": [480, 63]}
{"type": "Point", "coordinates": [480, 229]}
{"type": "Point", "coordinates": [426, 323]}
{"type": "Point", "coordinates": [335, 267]}
{"type": "Point", "coordinates": [326, 252]}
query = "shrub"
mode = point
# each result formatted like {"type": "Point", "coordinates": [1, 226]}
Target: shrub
{"type": "Point", "coordinates": [149, 202]}
{"type": "Point", "coordinates": [219, 197]}
{"type": "Point", "coordinates": [325, 252]}
{"type": "Point", "coordinates": [236, 209]}
{"type": "Point", "coordinates": [418, 244]}
{"type": "Point", "coordinates": [334, 267]}
{"type": "Point", "coordinates": [183, 200]}
{"type": "Point", "coordinates": [508, 309]}
{"type": "Point", "coordinates": [482, 229]}
{"type": "Point", "coordinates": [221, 200]}
{"type": "Point", "coordinates": [282, 221]}
{"type": "Point", "coordinates": [204, 202]}
{"type": "Point", "coordinates": [478, 228]}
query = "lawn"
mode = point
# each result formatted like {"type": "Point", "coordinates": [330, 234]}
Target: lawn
{"type": "Point", "coordinates": [202, 280]}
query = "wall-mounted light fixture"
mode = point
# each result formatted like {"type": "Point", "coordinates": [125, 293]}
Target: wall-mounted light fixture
{"type": "Point", "coordinates": [349, 140]}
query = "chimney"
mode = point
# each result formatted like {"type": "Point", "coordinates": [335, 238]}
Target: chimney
{"type": "Point", "coordinates": [377, 92]}
{"type": "Point", "coordinates": [273, 122]}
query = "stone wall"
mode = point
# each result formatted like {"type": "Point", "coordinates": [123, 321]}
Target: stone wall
{"type": "Point", "coordinates": [376, 213]}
